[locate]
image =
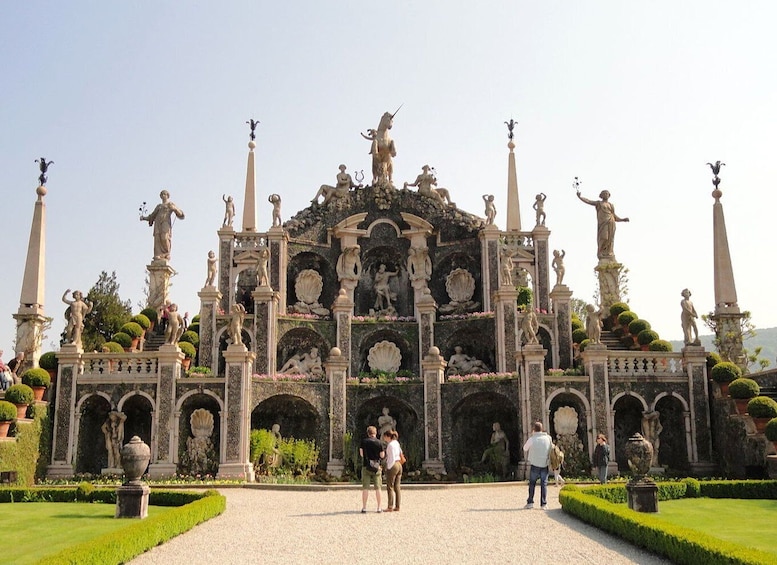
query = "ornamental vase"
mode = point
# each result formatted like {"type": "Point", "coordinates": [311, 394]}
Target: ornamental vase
{"type": "Point", "coordinates": [639, 453]}
{"type": "Point", "coordinates": [135, 457]}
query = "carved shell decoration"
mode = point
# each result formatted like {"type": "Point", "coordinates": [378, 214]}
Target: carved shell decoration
{"type": "Point", "coordinates": [308, 286]}
{"type": "Point", "coordinates": [460, 285]}
{"type": "Point", "coordinates": [565, 421]}
{"type": "Point", "coordinates": [202, 423]}
{"type": "Point", "coordinates": [384, 356]}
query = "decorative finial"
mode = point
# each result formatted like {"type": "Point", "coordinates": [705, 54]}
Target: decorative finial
{"type": "Point", "coordinates": [716, 171]}
{"type": "Point", "coordinates": [253, 123]}
{"type": "Point", "coordinates": [44, 167]}
{"type": "Point", "coordinates": [510, 125]}
{"type": "Point", "coordinates": [576, 184]}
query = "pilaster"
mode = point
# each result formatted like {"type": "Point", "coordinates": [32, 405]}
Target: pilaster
{"type": "Point", "coordinates": [489, 253]}
{"type": "Point", "coordinates": [695, 363]}
{"type": "Point", "coordinates": [595, 360]}
{"type": "Point", "coordinates": [164, 454]}
{"type": "Point", "coordinates": [433, 367]}
{"type": "Point", "coordinates": [336, 367]}
{"type": "Point", "coordinates": [278, 241]}
{"type": "Point", "coordinates": [427, 310]}
{"type": "Point", "coordinates": [63, 433]}
{"type": "Point", "coordinates": [235, 457]}
{"type": "Point", "coordinates": [226, 258]}
{"type": "Point", "coordinates": [265, 310]}
{"type": "Point", "coordinates": [342, 310]}
{"type": "Point", "coordinates": [541, 235]}
{"type": "Point", "coordinates": [209, 303]}
{"type": "Point", "coordinates": [505, 301]}
{"type": "Point", "coordinates": [533, 383]}
{"type": "Point", "coordinates": [561, 300]}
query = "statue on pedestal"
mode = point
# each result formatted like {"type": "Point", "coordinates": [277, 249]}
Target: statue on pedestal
{"type": "Point", "coordinates": [606, 218]}
{"type": "Point", "coordinates": [162, 221]}
{"type": "Point", "coordinates": [426, 183]}
{"type": "Point", "coordinates": [211, 268]}
{"type": "Point", "coordinates": [383, 294]}
{"type": "Point", "coordinates": [530, 326]}
{"type": "Point", "coordinates": [75, 313]}
{"type": "Point", "coordinates": [688, 319]}
{"type": "Point", "coordinates": [229, 211]}
{"type": "Point", "coordinates": [344, 183]}
{"type": "Point", "coordinates": [490, 209]}
{"type": "Point", "coordinates": [235, 328]}
{"type": "Point", "coordinates": [275, 200]}
{"type": "Point", "coordinates": [558, 265]}
{"type": "Point", "coordinates": [382, 150]}
{"type": "Point", "coordinates": [497, 453]}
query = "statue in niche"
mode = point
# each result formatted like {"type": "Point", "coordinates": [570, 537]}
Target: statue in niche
{"type": "Point", "coordinates": [651, 429]}
{"type": "Point", "coordinates": [386, 422]}
{"type": "Point", "coordinates": [462, 364]}
{"type": "Point", "coordinates": [211, 269]}
{"type": "Point", "coordinates": [497, 454]}
{"type": "Point", "coordinates": [382, 151]}
{"type": "Point", "coordinates": [383, 295]}
{"type": "Point", "coordinates": [262, 275]}
{"type": "Point", "coordinates": [419, 265]}
{"type": "Point", "coordinates": [349, 264]}
{"type": "Point", "coordinates": [344, 183]}
{"type": "Point", "coordinates": [384, 356]}
{"type": "Point", "coordinates": [113, 430]}
{"type": "Point", "coordinates": [175, 326]}
{"type": "Point", "coordinates": [308, 363]}
{"type": "Point", "coordinates": [235, 328]}
{"type": "Point", "coordinates": [275, 200]}
{"type": "Point", "coordinates": [460, 286]}
{"type": "Point", "coordinates": [558, 265]}
{"type": "Point", "coordinates": [530, 326]}
{"type": "Point", "coordinates": [308, 287]}
{"type": "Point", "coordinates": [162, 221]}
{"type": "Point", "coordinates": [688, 319]}
{"type": "Point", "coordinates": [200, 455]}
{"type": "Point", "coordinates": [229, 211]}
{"type": "Point", "coordinates": [507, 267]}
{"type": "Point", "coordinates": [539, 208]}
{"type": "Point", "coordinates": [75, 313]}
{"type": "Point", "coordinates": [606, 218]}
{"type": "Point", "coordinates": [593, 323]}
{"type": "Point", "coordinates": [426, 183]}
{"type": "Point", "coordinates": [490, 209]}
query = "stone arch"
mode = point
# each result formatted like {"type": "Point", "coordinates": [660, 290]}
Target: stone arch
{"type": "Point", "coordinates": [222, 338]}
{"type": "Point", "coordinates": [443, 265]}
{"type": "Point", "coordinates": [474, 342]}
{"type": "Point", "coordinates": [390, 250]}
{"type": "Point", "coordinates": [91, 452]}
{"type": "Point", "coordinates": [139, 408]}
{"type": "Point", "coordinates": [673, 439]}
{"type": "Point", "coordinates": [206, 392]}
{"type": "Point", "coordinates": [576, 447]}
{"type": "Point", "coordinates": [627, 408]}
{"type": "Point", "coordinates": [186, 406]}
{"type": "Point", "coordinates": [297, 417]}
{"type": "Point", "coordinates": [320, 264]}
{"type": "Point", "coordinates": [405, 348]}
{"type": "Point", "coordinates": [245, 281]}
{"type": "Point", "coordinates": [300, 340]}
{"type": "Point", "coordinates": [408, 426]}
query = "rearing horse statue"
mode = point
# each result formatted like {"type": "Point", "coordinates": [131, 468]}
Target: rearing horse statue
{"type": "Point", "coordinates": [382, 151]}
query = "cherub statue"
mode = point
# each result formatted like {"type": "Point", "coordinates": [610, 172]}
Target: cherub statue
{"type": "Point", "coordinates": [174, 329]}
{"type": "Point", "coordinates": [229, 210]}
{"type": "Point", "coordinates": [75, 313]}
{"type": "Point", "coordinates": [235, 328]}
{"type": "Point", "coordinates": [530, 327]}
{"type": "Point", "coordinates": [275, 200]}
{"type": "Point", "coordinates": [539, 208]}
{"type": "Point", "coordinates": [490, 209]}
{"type": "Point", "coordinates": [211, 269]}
{"type": "Point", "coordinates": [558, 265]}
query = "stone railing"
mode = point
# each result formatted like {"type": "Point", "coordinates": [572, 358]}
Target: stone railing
{"type": "Point", "coordinates": [130, 364]}
{"type": "Point", "coordinates": [645, 363]}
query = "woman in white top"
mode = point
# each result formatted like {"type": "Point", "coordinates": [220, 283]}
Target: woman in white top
{"type": "Point", "coordinates": [393, 469]}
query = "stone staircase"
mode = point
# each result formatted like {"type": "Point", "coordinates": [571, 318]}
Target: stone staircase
{"type": "Point", "coordinates": [612, 342]}
{"type": "Point", "coordinates": [153, 341]}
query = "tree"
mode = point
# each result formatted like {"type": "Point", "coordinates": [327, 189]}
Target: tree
{"type": "Point", "coordinates": [577, 305]}
{"type": "Point", "coordinates": [108, 314]}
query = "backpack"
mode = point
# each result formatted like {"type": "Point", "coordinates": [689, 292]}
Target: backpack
{"type": "Point", "coordinates": [556, 456]}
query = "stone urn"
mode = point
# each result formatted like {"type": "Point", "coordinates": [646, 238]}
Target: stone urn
{"type": "Point", "coordinates": [135, 457]}
{"type": "Point", "coordinates": [639, 453]}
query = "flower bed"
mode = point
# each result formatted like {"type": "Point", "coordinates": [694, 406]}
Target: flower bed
{"type": "Point", "coordinates": [479, 377]}
{"type": "Point", "coordinates": [470, 316]}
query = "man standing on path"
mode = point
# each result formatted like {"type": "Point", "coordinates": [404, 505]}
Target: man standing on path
{"type": "Point", "coordinates": [537, 452]}
{"type": "Point", "coordinates": [371, 451]}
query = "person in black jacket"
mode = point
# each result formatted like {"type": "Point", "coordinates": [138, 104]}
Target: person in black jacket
{"type": "Point", "coordinates": [601, 457]}
{"type": "Point", "coordinates": [371, 451]}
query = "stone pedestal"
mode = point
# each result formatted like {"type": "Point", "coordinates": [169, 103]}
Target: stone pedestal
{"type": "Point", "coordinates": [433, 366]}
{"type": "Point", "coordinates": [278, 241]}
{"type": "Point", "coordinates": [505, 300]}
{"type": "Point", "coordinates": [533, 384]}
{"type": "Point", "coordinates": [235, 461]}
{"type": "Point", "coordinates": [159, 273]}
{"type": "Point", "coordinates": [698, 420]}
{"type": "Point", "coordinates": [609, 282]}
{"type": "Point", "coordinates": [426, 309]}
{"type": "Point", "coordinates": [132, 501]}
{"type": "Point", "coordinates": [209, 301]}
{"type": "Point", "coordinates": [63, 436]}
{"type": "Point", "coordinates": [265, 310]}
{"type": "Point", "coordinates": [540, 235]}
{"type": "Point", "coordinates": [489, 242]}
{"type": "Point", "coordinates": [336, 367]}
{"type": "Point", "coordinates": [163, 461]}
{"type": "Point", "coordinates": [561, 298]}
{"type": "Point", "coordinates": [643, 496]}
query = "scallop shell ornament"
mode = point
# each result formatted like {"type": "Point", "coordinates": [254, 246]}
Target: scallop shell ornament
{"type": "Point", "coordinates": [202, 423]}
{"type": "Point", "coordinates": [308, 286]}
{"type": "Point", "coordinates": [384, 356]}
{"type": "Point", "coordinates": [460, 285]}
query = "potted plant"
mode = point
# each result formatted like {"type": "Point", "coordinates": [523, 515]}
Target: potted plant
{"type": "Point", "coordinates": [124, 340]}
{"type": "Point", "coordinates": [143, 321]}
{"type": "Point", "coordinates": [579, 335]}
{"type": "Point", "coordinates": [22, 396]}
{"type": "Point", "coordinates": [742, 390]}
{"type": "Point", "coordinates": [645, 338]}
{"type": "Point", "coordinates": [637, 326]}
{"type": "Point", "coordinates": [771, 431]}
{"type": "Point", "coordinates": [7, 415]}
{"type": "Point", "coordinates": [135, 331]}
{"type": "Point", "coordinates": [38, 380]}
{"type": "Point", "coordinates": [190, 337]}
{"type": "Point", "coordinates": [659, 345]}
{"type": "Point", "coordinates": [624, 319]}
{"type": "Point", "coordinates": [761, 410]}
{"type": "Point", "coordinates": [49, 362]}
{"type": "Point", "coordinates": [189, 353]}
{"type": "Point", "coordinates": [152, 316]}
{"type": "Point", "coordinates": [616, 310]}
{"type": "Point", "coordinates": [112, 347]}
{"type": "Point", "coordinates": [723, 373]}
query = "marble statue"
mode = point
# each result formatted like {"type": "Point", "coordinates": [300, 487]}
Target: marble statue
{"type": "Point", "coordinates": [462, 364]}
{"type": "Point", "coordinates": [75, 313]}
{"type": "Point", "coordinates": [308, 363]}
{"type": "Point", "coordinates": [688, 319]}
{"type": "Point", "coordinates": [44, 168]}
{"type": "Point", "coordinates": [275, 200]}
{"type": "Point", "coordinates": [530, 326]}
{"type": "Point", "coordinates": [606, 218]}
{"type": "Point", "coordinates": [229, 211]}
{"type": "Point", "coordinates": [382, 151]}
{"type": "Point", "coordinates": [490, 209]}
{"type": "Point", "coordinates": [308, 287]}
{"type": "Point", "coordinates": [593, 323]}
{"type": "Point", "coordinates": [651, 430]}
{"type": "Point", "coordinates": [386, 422]}
{"type": "Point", "coordinates": [343, 185]}
{"type": "Point", "coordinates": [275, 458]}
{"type": "Point", "coordinates": [174, 329]}
{"type": "Point", "coordinates": [460, 286]}
{"type": "Point", "coordinates": [539, 208]}
{"type": "Point", "coordinates": [235, 328]}
{"type": "Point", "coordinates": [162, 221]}
{"type": "Point", "coordinates": [113, 430]}
{"type": "Point", "coordinates": [426, 183]}
{"type": "Point", "coordinates": [349, 264]}
{"type": "Point", "coordinates": [211, 269]}
{"type": "Point", "coordinates": [264, 258]}
{"type": "Point", "coordinates": [507, 267]}
{"type": "Point", "coordinates": [498, 451]}
{"type": "Point", "coordinates": [558, 265]}
{"type": "Point", "coordinates": [252, 124]}
{"type": "Point", "coordinates": [419, 265]}
{"type": "Point", "coordinates": [383, 294]}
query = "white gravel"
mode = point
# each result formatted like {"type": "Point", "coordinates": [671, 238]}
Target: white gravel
{"type": "Point", "coordinates": [453, 524]}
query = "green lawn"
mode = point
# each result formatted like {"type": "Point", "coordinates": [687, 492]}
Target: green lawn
{"type": "Point", "coordinates": [747, 522]}
{"type": "Point", "coordinates": [44, 528]}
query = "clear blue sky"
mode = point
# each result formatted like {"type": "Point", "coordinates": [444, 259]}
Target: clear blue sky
{"type": "Point", "coordinates": [129, 98]}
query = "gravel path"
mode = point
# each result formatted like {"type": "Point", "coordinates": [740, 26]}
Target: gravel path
{"type": "Point", "coordinates": [455, 524]}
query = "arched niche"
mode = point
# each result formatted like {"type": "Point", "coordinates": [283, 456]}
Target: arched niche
{"type": "Point", "coordinates": [189, 405]}
{"type": "Point", "coordinates": [91, 451]}
{"type": "Point", "coordinates": [628, 421]}
{"type": "Point", "coordinates": [576, 448]}
{"type": "Point", "coordinates": [474, 342]}
{"type": "Point", "coordinates": [296, 416]}
{"type": "Point", "coordinates": [447, 263]}
{"type": "Point", "coordinates": [139, 413]}
{"type": "Point", "coordinates": [392, 252]}
{"type": "Point", "coordinates": [673, 446]}
{"type": "Point", "coordinates": [224, 342]}
{"type": "Point", "coordinates": [246, 282]}
{"type": "Point", "coordinates": [320, 264]}
{"type": "Point", "coordinates": [405, 349]}
{"type": "Point", "coordinates": [300, 340]}
{"type": "Point", "coordinates": [408, 426]}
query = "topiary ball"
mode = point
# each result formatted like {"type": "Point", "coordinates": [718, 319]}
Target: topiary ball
{"type": "Point", "coordinates": [151, 314]}
{"type": "Point", "coordinates": [585, 343]}
{"type": "Point", "coordinates": [638, 325]}
{"type": "Point", "coordinates": [19, 394]}
{"type": "Point", "coordinates": [579, 335]}
{"type": "Point", "coordinates": [725, 372]}
{"type": "Point", "coordinates": [758, 407]}
{"type": "Point", "coordinates": [194, 328]}
{"type": "Point", "coordinates": [190, 337]}
{"type": "Point", "coordinates": [112, 347]}
{"type": "Point", "coordinates": [122, 339]}
{"type": "Point", "coordinates": [646, 337]}
{"type": "Point", "coordinates": [743, 388]}
{"type": "Point", "coordinates": [36, 377]}
{"type": "Point", "coordinates": [141, 320]}
{"type": "Point", "coordinates": [660, 345]}
{"type": "Point", "coordinates": [771, 430]}
{"type": "Point", "coordinates": [48, 361]}
{"type": "Point", "coordinates": [196, 319]}
{"type": "Point", "coordinates": [618, 308]}
{"type": "Point", "coordinates": [625, 318]}
{"type": "Point", "coordinates": [187, 349]}
{"type": "Point", "coordinates": [7, 411]}
{"type": "Point", "coordinates": [692, 488]}
{"type": "Point", "coordinates": [577, 324]}
{"type": "Point", "coordinates": [712, 360]}
{"type": "Point", "coordinates": [132, 329]}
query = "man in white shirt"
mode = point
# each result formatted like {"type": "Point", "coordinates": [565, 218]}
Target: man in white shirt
{"type": "Point", "coordinates": [537, 453]}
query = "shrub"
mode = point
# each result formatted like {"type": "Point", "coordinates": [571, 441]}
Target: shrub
{"type": "Point", "coordinates": [36, 377]}
{"type": "Point", "coordinates": [660, 345]}
{"type": "Point", "coordinates": [196, 319]}
{"type": "Point", "coordinates": [579, 335]}
{"type": "Point", "coordinates": [7, 411]}
{"type": "Point", "coordinates": [618, 308]}
{"type": "Point", "coordinates": [577, 324]}
{"type": "Point", "coordinates": [771, 430]}
{"type": "Point", "coordinates": [19, 394]}
{"type": "Point", "coordinates": [112, 347]}
{"type": "Point", "coordinates": [190, 337]}
{"type": "Point", "coordinates": [758, 407]}
{"type": "Point", "coordinates": [712, 360]}
{"type": "Point", "coordinates": [638, 325]}
{"type": "Point", "coordinates": [194, 328]}
{"type": "Point", "coordinates": [646, 337]}
{"type": "Point", "coordinates": [199, 370]}
{"type": "Point", "coordinates": [48, 361]}
{"type": "Point", "coordinates": [692, 488]}
{"type": "Point", "coordinates": [625, 318]}
{"type": "Point", "coordinates": [187, 348]}
{"type": "Point", "coordinates": [141, 320]}
{"type": "Point", "coordinates": [725, 372]}
{"type": "Point", "coordinates": [743, 388]}
{"type": "Point", "coordinates": [584, 344]}
{"type": "Point", "coordinates": [525, 296]}
{"type": "Point", "coordinates": [132, 329]}
{"type": "Point", "coordinates": [122, 339]}
{"type": "Point", "coordinates": [84, 491]}
{"type": "Point", "coordinates": [151, 314]}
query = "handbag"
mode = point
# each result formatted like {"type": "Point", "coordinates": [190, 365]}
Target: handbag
{"type": "Point", "coordinates": [374, 465]}
{"type": "Point", "coordinates": [402, 458]}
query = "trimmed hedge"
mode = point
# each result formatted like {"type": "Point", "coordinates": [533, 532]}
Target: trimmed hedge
{"type": "Point", "coordinates": [759, 407]}
{"type": "Point", "coordinates": [743, 388]}
{"type": "Point", "coordinates": [194, 327]}
{"type": "Point", "coordinates": [579, 335]}
{"type": "Point", "coordinates": [725, 372]}
{"type": "Point", "coordinates": [112, 347]}
{"type": "Point", "coordinates": [660, 345]}
{"type": "Point", "coordinates": [638, 325]}
{"type": "Point", "coordinates": [190, 337]}
{"type": "Point", "coordinates": [132, 329]}
{"type": "Point", "coordinates": [196, 319]}
{"type": "Point", "coordinates": [625, 318]}
{"type": "Point", "coordinates": [48, 361]}
{"type": "Point", "coordinates": [36, 377]}
{"type": "Point", "coordinates": [123, 339]}
{"type": "Point", "coordinates": [141, 320]}
{"type": "Point", "coordinates": [646, 337]}
{"type": "Point", "coordinates": [713, 358]}
{"type": "Point", "coordinates": [30, 453]}
{"type": "Point", "coordinates": [7, 411]}
{"type": "Point", "coordinates": [151, 314]}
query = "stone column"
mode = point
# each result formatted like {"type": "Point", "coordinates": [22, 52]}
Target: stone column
{"type": "Point", "coordinates": [433, 366]}
{"type": "Point", "coordinates": [427, 310]}
{"type": "Point", "coordinates": [236, 427]}
{"type": "Point", "coordinates": [64, 425]}
{"type": "Point", "coordinates": [336, 367]}
{"type": "Point", "coordinates": [342, 310]}
{"type": "Point", "coordinates": [164, 454]}
{"type": "Point", "coordinates": [278, 241]}
{"type": "Point", "coordinates": [533, 381]}
{"type": "Point", "coordinates": [209, 303]}
{"type": "Point", "coordinates": [226, 254]}
{"type": "Point", "coordinates": [695, 363]}
{"type": "Point", "coordinates": [265, 310]}
{"type": "Point", "coordinates": [561, 297]}
{"type": "Point", "coordinates": [159, 273]}
{"type": "Point", "coordinates": [489, 250]}
{"type": "Point", "coordinates": [595, 360]}
{"type": "Point", "coordinates": [609, 283]}
{"type": "Point", "coordinates": [540, 235]}
{"type": "Point", "coordinates": [505, 300]}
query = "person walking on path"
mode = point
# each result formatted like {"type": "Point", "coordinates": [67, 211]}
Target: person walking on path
{"type": "Point", "coordinates": [371, 452]}
{"type": "Point", "coordinates": [601, 457]}
{"type": "Point", "coordinates": [537, 453]}
{"type": "Point", "coordinates": [393, 469]}
{"type": "Point", "coordinates": [556, 461]}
